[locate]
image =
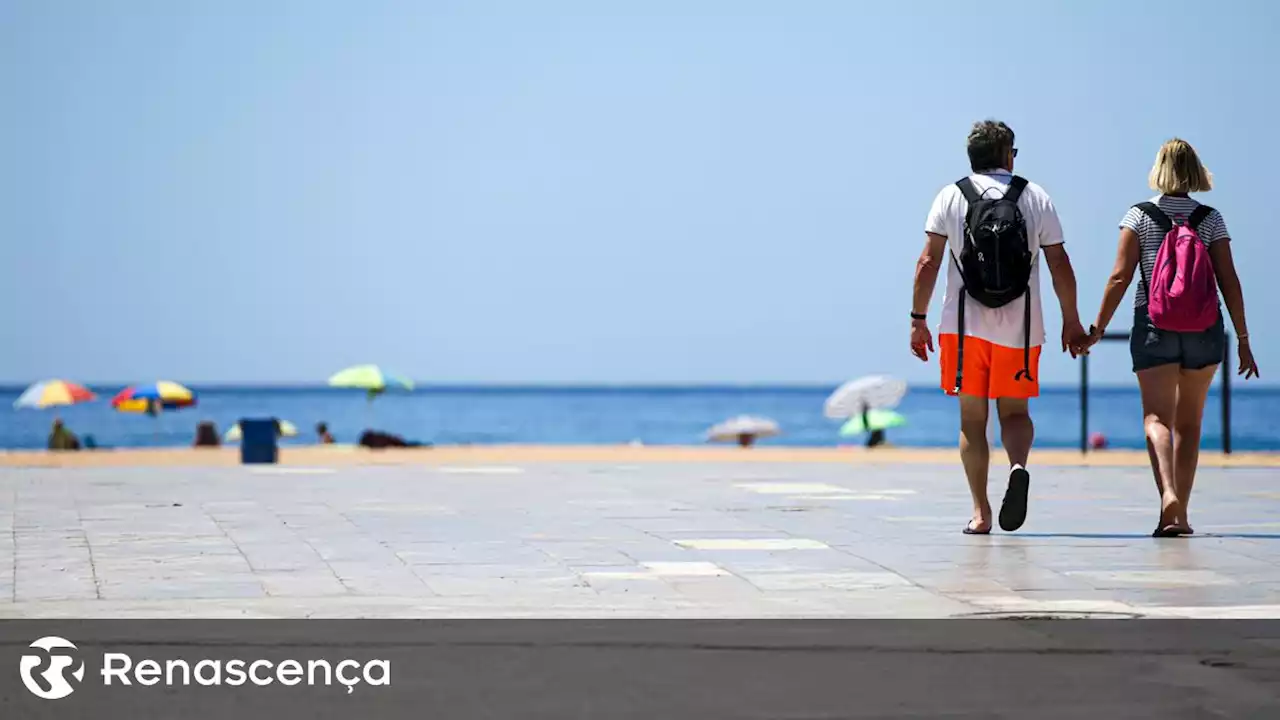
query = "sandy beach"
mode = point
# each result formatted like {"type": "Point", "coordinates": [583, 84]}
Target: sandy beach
{"type": "Point", "coordinates": [345, 455]}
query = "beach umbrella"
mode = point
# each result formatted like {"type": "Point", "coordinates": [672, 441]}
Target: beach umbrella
{"type": "Point", "coordinates": [744, 430]}
{"type": "Point", "coordinates": [875, 420]}
{"type": "Point", "coordinates": [370, 378]}
{"type": "Point", "coordinates": [49, 393]}
{"type": "Point", "coordinates": [165, 393]}
{"type": "Point", "coordinates": [287, 429]}
{"type": "Point", "coordinates": [870, 393]}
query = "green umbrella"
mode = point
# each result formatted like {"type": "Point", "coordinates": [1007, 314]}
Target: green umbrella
{"type": "Point", "coordinates": [876, 420]}
{"type": "Point", "coordinates": [370, 378]}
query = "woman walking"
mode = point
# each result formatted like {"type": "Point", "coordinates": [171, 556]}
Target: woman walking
{"type": "Point", "coordinates": [1183, 251]}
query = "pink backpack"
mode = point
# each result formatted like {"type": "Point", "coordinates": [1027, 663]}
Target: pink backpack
{"type": "Point", "coordinates": [1182, 292]}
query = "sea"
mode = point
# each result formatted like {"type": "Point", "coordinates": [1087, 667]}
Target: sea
{"type": "Point", "coordinates": [611, 416]}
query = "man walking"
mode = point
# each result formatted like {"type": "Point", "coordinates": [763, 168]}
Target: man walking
{"type": "Point", "coordinates": [989, 229]}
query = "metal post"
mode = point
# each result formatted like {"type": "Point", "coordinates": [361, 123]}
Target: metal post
{"type": "Point", "coordinates": [1226, 396]}
{"type": "Point", "coordinates": [1084, 390]}
{"type": "Point", "coordinates": [1084, 404]}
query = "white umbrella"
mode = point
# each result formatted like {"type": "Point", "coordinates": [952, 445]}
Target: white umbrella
{"type": "Point", "coordinates": [875, 392]}
{"type": "Point", "coordinates": [735, 429]}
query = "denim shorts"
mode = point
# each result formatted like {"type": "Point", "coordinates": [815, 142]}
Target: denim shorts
{"type": "Point", "coordinates": [1152, 347]}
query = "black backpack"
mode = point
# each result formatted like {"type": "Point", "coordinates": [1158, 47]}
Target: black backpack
{"type": "Point", "coordinates": [995, 261]}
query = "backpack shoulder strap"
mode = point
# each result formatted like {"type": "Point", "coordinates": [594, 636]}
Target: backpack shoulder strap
{"type": "Point", "coordinates": [971, 194]}
{"type": "Point", "coordinates": [1157, 215]}
{"type": "Point", "coordinates": [1198, 216]}
{"type": "Point", "coordinates": [1016, 186]}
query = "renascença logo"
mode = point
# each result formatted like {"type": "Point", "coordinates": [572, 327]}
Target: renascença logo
{"type": "Point", "coordinates": [122, 669]}
{"type": "Point", "coordinates": [55, 685]}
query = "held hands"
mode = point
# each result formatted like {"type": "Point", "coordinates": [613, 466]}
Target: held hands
{"type": "Point", "coordinates": [921, 340]}
{"type": "Point", "coordinates": [1074, 339]}
{"type": "Point", "coordinates": [1093, 337]}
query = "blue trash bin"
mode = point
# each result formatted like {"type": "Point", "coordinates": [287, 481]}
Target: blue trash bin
{"type": "Point", "coordinates": [259, 441]}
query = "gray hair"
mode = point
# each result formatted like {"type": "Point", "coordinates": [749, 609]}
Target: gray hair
{"type": "Point", "coordinates": [990, 143]}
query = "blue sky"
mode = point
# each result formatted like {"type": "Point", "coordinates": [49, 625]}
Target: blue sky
{"type": "Point", "coordinates": [574, 191]}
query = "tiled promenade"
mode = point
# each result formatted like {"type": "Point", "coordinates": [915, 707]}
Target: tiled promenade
{"type": "Point", "coordinates": [740, 540]}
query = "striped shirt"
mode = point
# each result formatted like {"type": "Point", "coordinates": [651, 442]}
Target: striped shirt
{"type": "Point", "coordinates": [1151, 236]}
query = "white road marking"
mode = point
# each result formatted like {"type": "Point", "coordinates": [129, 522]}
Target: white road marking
{"type": "Point", "coordinates": [685, 569]}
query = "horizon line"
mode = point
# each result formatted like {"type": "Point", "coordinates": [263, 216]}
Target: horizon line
{"type": "Point", "coordinates": [578, 386]}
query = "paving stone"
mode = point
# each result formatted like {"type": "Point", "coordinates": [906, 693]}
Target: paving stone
{"type": "Point", "coordinates": [301, 584]}
{"type": "Point", "coordinates": [741, 543]}
{"type": "Point", "coordinates": [793, 581]}
{"type": "Point", "coordinates": [696, 540]}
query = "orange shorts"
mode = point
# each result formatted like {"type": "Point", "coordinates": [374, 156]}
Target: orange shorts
{"type": "Point", "coordinates": [990, 370]}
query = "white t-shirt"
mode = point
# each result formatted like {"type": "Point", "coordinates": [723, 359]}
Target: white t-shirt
{"type": "Point", "coordinates": [1002, 325]}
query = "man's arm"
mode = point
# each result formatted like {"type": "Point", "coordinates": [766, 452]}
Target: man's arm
{"type": "Point", "coordinates": [1064, 285]}
{"type": "Point", "coordinates": [927, 272]}
{"type": "Point", "coordinates": [927, 267]}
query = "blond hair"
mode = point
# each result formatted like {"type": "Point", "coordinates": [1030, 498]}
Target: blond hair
{"type": "Point", "coordinates": [1178, 170]}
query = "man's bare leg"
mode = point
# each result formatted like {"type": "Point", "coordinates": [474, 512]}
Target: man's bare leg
{"type": "Point", "coordinates": [1017, 432]}
{"type": "Point", "coordinates": [976, 456]}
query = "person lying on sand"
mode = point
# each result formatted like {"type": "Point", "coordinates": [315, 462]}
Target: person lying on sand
{"type": "Point", "coordinates": [378, 440]}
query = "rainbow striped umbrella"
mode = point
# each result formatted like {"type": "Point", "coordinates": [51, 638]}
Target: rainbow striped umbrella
{"type": "Point", "coordinates": [48, 393]}
{"type": "Point", "coordinates": [168, 395]}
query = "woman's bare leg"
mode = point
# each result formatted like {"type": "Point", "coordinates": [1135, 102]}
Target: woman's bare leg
{"type": "Point", "coordinates": [1159, 386]}
{"type": "Point", "coordinates": [1193, 388]}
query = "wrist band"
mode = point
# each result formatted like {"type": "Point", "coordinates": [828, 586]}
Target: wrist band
{"type": "Point", "coordinates": [919, 316]}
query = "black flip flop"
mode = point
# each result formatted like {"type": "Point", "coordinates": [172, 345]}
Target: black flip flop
{"type": "Point", "coordinates": [1013, 511]}
{"type": "Point", "coordinates": [1170, 531]}
{"type": "Point", "coordinates": [969, 530]}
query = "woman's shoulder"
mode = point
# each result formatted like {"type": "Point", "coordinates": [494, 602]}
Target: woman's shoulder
{"type": "Point", "coordinates": [1213, 211]}
{"type": "Point", "coordinates": [1134, 216]}
{"type": "Point", "coordinates": [1214, 225]}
